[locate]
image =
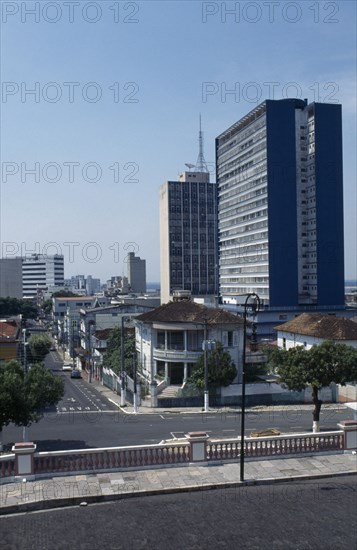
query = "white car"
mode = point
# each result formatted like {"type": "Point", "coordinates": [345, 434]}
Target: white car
{"type": "Point", "coordinates": [67, 366]}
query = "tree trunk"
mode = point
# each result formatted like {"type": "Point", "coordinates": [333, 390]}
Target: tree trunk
{"type": "Point", "coordinates": [317, 407]}
{"type": "Point", "coordinates": [1, 448]}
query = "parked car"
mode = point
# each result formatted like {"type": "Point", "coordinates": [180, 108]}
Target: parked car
{"type": "Point", "coordinates": [76, 374]}
{"type": "Point", "coordinates": [67, 366]}
{"type": "Point", "coordinates": [53, 348]}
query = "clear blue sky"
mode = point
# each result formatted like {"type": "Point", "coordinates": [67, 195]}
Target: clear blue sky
{"type": "Point", "coordinates": [153, 66]}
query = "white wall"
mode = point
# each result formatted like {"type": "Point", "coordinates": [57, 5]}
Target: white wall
{"type": "Point", "coordinates": [294, 340]}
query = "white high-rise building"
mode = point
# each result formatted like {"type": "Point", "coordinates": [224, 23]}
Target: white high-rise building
{"type": "Point", "coordinates": [40, 271]}
{"type": "Point", "coordinates": [280, 205]}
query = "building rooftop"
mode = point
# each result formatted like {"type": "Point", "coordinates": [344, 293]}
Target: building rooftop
{"type": "Point", "coordinates": [328, 327]}
{"type": "Point", "coordinates": [8, 330]}
{"type": "Point", "coordinates": [103, 334]}
{"type": "Point", "coordinates": [189, 312]}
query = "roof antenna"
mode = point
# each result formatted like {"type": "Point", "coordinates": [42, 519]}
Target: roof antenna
{"type": "Point", "coordinates": [201, 165]}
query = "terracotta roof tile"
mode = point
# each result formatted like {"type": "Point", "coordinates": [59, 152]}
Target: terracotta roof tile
{"type": "Point", "coordinates": [328, 327]}
{"type": "Point", "coordinates": [189, 312]}
{"type": "Point", "coordinates": [8, 329]}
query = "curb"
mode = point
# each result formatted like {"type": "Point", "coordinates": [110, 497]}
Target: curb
{"type": "Point", "coordinates": [94, 499]}
{"type": "Point", "coordinates": [159, 411]}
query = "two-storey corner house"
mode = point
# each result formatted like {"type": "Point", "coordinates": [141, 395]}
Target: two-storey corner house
{"type": "Point", "coordinates": [311, 329]}
{"type": "Point", "coordinates": [169, 338]}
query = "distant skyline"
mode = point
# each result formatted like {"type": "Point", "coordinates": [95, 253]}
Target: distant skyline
{"type": "Point", "coordinates": [100, 105]}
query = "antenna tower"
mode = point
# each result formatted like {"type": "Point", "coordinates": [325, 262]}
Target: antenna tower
{"type": "Point", "coordinates": [201, 165]}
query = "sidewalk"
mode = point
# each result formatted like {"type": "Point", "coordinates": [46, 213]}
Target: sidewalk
{"type": "Point", "coordinates": [145, 407]}
{"type": "Point", "coordinates": [58, 491]}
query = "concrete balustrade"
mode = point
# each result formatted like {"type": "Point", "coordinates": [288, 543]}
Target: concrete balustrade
{"type": "Point", "coordinates": [197, 448]}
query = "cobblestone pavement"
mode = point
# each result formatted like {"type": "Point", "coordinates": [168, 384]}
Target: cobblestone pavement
{"type": "Point", "coordinates": [57, 491]}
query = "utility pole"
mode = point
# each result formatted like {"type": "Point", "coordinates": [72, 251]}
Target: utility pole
{"type": "Point", "coordinates": [89, 353]}
{"type": "Point", "coordinates": [122, 357]}
{"type": "Point", "coordinates": [205, 345]}
{"type": "Point", "coordinates": [135, 386]}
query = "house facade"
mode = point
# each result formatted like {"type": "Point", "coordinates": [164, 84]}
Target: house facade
{"type": "Point", "coordinates": [311, 329]}
{"type": "Point", "coordinates": [169, 339]}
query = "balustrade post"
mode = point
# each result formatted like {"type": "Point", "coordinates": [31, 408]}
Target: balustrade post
{"type": "Point", "coordinates": [349, 428]}
{"type": "Point", "coordinates": [24, 459]}
{"type": "Point", "coordinates": [198, 446]}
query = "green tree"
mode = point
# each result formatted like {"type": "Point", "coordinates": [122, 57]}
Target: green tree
{"type": "Point", "coordinates": [47, 306]}
{"type": "Point", "coordinates": [38, 347]}
{"type": "Point", "coordinates": [317, 367]}
{"type": "Point", "coordinates": [221, 369]}
{"type": "Point", "coordinates": [13, 306]}
{"type": "Point", "coordinates": [112, 358]}
{"type": "Point", "coordinates": [24, 395]}
{"type": "Point", "coordinates": [65, 294]}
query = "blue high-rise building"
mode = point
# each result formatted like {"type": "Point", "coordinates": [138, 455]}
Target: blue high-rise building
{"type": "Point", "coordinates": [280, 205]}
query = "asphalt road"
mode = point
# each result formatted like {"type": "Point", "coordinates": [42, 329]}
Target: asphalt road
{"type": "Point", "coordinates": [85, 418]}
{"type": "Point", "coordinates": [310, 515]}
{"type": "Point", "coordinates": [98, 428]}
{"type": "Point", "coordinates": [79, 395]}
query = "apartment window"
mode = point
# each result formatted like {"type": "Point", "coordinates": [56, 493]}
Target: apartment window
{"type": "Point", "coordinates": [284, 343]}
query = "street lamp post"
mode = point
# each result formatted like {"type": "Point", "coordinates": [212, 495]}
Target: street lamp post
{"type": "Point", "coordinates": [24, 428]}
{"type": "Point", "coordinates": [255, 307]}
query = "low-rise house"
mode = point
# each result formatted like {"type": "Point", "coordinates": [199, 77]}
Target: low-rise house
{"type": "Point", "coordinates": [66, 318]}
{"type": "Point", "coordinates": [311, 329]}
{"type": "Point", "coordinates": [9, 339]}
{"type": "Point", "coordinates": [169, 338]}
{"type": "Point", "coordinates": [96, 319]}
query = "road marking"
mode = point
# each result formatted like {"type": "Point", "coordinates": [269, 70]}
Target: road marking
{"type": "Point", "coordinates": [162, 417]}
{"type": "Point", "coordinates": [64, 408]}
{"type": "Point", "coordinates": [177, 435]}
{"type": "Point", "coordinates": [228, 430]}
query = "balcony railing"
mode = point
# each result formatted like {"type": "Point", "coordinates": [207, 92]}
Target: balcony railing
{"type": "Point", "coordinates": [177, 354]}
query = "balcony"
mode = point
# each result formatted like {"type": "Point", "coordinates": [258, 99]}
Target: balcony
{"type": "Point", "coordinates": [179, 355]}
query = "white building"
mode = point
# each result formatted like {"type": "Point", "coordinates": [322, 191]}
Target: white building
{"type": "Point", "coordinates": [311, 329]}
{"type": "Point", "coordinates": [280, 205]}
{"type": "Point", "coordinates": [40, 271]}
{"type": "Point", "coordinates": [169, 338]}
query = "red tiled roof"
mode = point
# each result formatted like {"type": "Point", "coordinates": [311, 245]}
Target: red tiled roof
{"type": "Point", "coordinates": [8, 330]}
{"type": "Point", "coordinates": [328, 327]}
{"type": "Point", "coordinates": [189, 312]}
